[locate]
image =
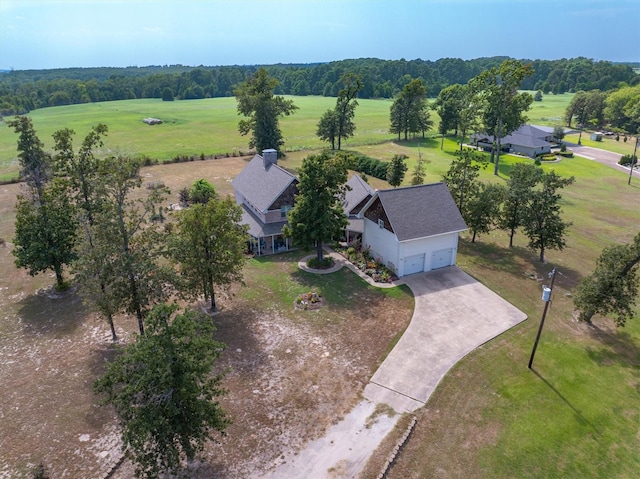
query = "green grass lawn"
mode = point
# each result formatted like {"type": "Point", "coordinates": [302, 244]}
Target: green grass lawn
{"type": "Point", "coordinates": [210, 126]}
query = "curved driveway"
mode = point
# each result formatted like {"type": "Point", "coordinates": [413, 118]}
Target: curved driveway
{"type": "Point", "coordinates": [453, 315]}
{"type": "Point", "coordinates": [605, 157]}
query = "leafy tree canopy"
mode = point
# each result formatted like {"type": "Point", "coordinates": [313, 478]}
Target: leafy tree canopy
{"type": "Point", "coordinates": [164, 390]}
{"type": "Point", "coordinates": [317, 215]}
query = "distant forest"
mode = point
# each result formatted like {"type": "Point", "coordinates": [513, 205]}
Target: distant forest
{"type": "Point", "coordinates": [24, 90]}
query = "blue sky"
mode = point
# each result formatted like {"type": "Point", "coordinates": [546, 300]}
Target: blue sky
{"type": "Point", "coordinates": [84, 33]}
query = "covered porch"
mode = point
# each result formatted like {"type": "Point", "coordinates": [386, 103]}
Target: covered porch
{"type": "Point", "coordinates": [266, 238]}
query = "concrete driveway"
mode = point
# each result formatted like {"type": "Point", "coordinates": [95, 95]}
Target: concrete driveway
{"type": "Point", "coordinates": [601, 156]}
{"type": "Point", "coordinates": [454, 314]}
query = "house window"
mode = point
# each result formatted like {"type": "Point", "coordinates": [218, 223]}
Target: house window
{"type": "Point", "coordinates": [381, 224]}
{"type": "Point", "coordinates": [284, 209]}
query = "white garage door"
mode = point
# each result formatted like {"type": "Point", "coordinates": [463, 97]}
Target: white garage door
{"type": "Point", "coordinates": [441, 258]}
{"type": "Point", "coordinates": [414, 264]}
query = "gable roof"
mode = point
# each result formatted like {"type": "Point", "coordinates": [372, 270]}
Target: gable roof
{"type": "Point", "coordinates": [360, 190]}
{"type": "Point", "coordinates": [261, 185]}
{"type": "Point", "coordinates": [420, 211]}
{"type": "Point", "coordinates": [527, 135]}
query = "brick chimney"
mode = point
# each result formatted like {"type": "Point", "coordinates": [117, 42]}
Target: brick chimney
{"type": "Point", "coordinates": [269, 157]}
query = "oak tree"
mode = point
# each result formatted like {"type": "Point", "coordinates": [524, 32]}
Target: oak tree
{"type": "Point", "coordinates": [208, 245]}
{"type": "Point", "coordinates": [165, 391]}
{"type": "Point", "coordinates": [318, 215]}
{"type": "Point", "coordinates": [263, 109]}
{"type": "Point", "coordinates": [613, 285]}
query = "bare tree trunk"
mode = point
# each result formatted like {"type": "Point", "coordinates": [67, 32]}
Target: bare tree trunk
{"type": "Point", "coordinates": [319, 251]}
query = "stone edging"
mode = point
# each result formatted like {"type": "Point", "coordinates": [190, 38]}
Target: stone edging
{"type": "Point", "coordinates": [341, 261]}
{"type": "Point", "coordinates": [391, 460]}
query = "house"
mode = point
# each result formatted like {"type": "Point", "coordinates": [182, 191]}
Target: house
{"type": "Point", "coordinates": [266, 193]}
{"type": "Point", "coordinates": [412, 229]}
{"type": "Point", "coordinates": [528, 140]}
{"type": "Point", "coordinates": [357, 195]}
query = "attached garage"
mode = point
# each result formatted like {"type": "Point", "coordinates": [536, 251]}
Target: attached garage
{"type": "Point", "coordinates": [414, 264]}
{"type": "Point", "coordinates": [412, 229]}
{"type": "Point", "coordinates": [441, 258]}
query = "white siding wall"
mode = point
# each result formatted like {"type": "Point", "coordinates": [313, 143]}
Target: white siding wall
{"type": "Point", "coordinates": [383, 243]}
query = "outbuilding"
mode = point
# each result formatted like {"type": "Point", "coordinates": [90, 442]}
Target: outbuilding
{"type": "Point", "coordinates": [412, 229]}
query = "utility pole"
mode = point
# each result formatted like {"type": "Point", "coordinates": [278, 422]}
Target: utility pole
{"type": "Point", "coordinates": [546, 296]}
{"type": "Point", "coordinates": [634, 159]}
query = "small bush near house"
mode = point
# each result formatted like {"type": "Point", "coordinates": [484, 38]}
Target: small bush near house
{"type": "Point", "coordinates": [326, 263]}
{"type": "Point", "coordinates": [566, 154]}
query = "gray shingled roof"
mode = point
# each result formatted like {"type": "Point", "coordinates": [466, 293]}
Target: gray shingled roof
{"type": "Point", "coordinates": [260, 186]}
{"type": "Point", "coordinates": [257, 228]}
{"type": "Point", "coordinates": [421, 211]}
{"type": "Point", "coordinates": [359, 191]}
{"type": "Point", "coordinates": [527, 135]}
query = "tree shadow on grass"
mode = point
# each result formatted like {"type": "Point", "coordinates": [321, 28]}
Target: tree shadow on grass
{"type": "Point", "coordinates": [518, 262]}
{"type": "Point", "coordinates": [578, 414]}
{"type": "Point", "coordinates": [620, 348]}
{"type": "Point", "coordinates": [50, 313]}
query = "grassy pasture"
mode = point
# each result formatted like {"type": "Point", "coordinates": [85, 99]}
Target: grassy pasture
{"type": "Point", "coordinates": [209, 126]}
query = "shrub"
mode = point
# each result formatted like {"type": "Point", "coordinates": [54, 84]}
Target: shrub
{"type": "Point", "coordinates": [566, 154]}
{"type": "Point", "coordinates": [627, 160]}
{"type": "Point", "coordinates": [563, 148]}
{"type": "Point", "coordinates": [538, 162]}
{"type": "Point", "coordinates": [327, 262]}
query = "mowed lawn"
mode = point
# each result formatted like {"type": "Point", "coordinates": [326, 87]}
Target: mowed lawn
{"type": "Point", "coordinates": [210, 126]}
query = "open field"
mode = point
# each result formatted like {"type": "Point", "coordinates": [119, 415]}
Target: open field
{"type": "Point", "coordinates": [209, 126]}
{"type": "Point", "coordinates": [293, 374]}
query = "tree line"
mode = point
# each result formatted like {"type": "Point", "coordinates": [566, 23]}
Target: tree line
{"type": "Point", "coordinates": [25, 90]}
{"type": "Point", "coordinates": [95, 216]}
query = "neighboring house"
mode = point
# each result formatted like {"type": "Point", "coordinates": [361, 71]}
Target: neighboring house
{"type": "Point", "coordinates": [356, 196]}
{"type": "Point", "coordinates": [412, 229]}
{"type": "Point", "coordinates": [528, 140]}
{"type": "Point", "coordinates": [266, 193]}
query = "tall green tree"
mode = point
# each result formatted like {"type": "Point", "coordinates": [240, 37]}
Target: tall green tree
{"type": "Point", "coordinates": [346, 106]}
{"type": "Point", "coordinates": [396, 170]}
{"type": "Point", "coordinates": [45, 236]}
{"type": "Point", "coordinates": [587, 108]}
{"type": "Point", "coordinates": [613, 285]}
{"type": "Point", "coordinates": [125, 238]}
{"type": "Point", "coordinates": [503, 106]}
{"type": "Point", "coordinates": [410, 111]}
{"type": "Point", "coordinates": [448, 105]}
{"type": "Point", "coordinates": [462, 178]}
{"type": "Point", "coordinates": [165, 392]}
{"type": "Point", "coordinates": [622, 109]}
{"type": "Point", "coordinates": [317, 215]}
{"type": "Point", "coordinates": [82, 172]}
{"type": "Point", "coordinates": [523, 178]}
{"type": "Point", "coordinates": [208, 245]}
{"type": "Point", "coordinates": [542, 221]}
{"type": "Point", "coordinates": [484, 209]}
{"type": "Point", "coordinates": [337, 124]}
{"type": "Point", "coordinates": [36, 168]}
{"type": "Point", "coordinates": [469, 118]}
{"type": "Point", "coordinates": [328, 127]}
{"type": "Point", "coordinates": [257, 102]}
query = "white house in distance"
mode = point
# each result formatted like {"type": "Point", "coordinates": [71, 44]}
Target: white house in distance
{"type": "Point", "coordinates": [412, 229]}
{"type": "Point", "coordinates": [529, 140]}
